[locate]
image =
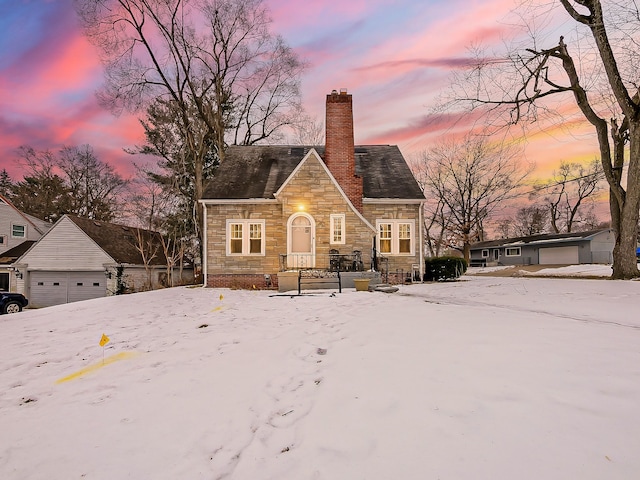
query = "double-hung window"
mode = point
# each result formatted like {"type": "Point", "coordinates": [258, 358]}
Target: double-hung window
{"type": "Point", "coordinates": [245, 237]}
{"type": "Point", "coordinates": [18, 231]}
{"type": "Point", "coordinates": [396, 237]}
{"type": "Point", "coordinates": [337, 229]}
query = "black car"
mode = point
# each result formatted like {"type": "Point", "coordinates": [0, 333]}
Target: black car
{"type": "Point", "coordinates": [12, 302]}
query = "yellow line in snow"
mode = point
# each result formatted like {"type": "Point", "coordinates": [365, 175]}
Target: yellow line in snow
{"type": "Point", "coordinates": [97, 366]}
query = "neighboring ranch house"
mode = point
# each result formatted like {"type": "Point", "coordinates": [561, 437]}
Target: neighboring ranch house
{"type": "Point", "coordinates": [273, 210]}
{"type": "Point", "coordinates": [547, 249]}
{"type": "Point", "coordinates": [79, 259]}
{"type": "Point", "coordinates": [18, 231]}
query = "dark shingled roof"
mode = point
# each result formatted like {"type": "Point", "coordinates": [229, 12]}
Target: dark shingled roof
{"type": "Point", "coordinates": [16, 252]}
{"type": "Point", "coordinates": [119, 241]}
{"type": "Point", "coordinates": [259, 171]}
{"type": "Point", "coordinates": [542, 237]}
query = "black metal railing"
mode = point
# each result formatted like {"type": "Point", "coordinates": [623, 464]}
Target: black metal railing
{"type": "Point", "coordinates": [355, 261]}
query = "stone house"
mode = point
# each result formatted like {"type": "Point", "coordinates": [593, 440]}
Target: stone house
{"type": "Point", "coordinates": [273, 210]}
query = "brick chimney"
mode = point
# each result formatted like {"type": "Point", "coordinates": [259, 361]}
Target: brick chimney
{"type": "Point", "coordinates": [339, 153]}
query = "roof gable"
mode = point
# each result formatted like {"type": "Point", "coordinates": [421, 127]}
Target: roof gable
{"type": "Point", "coordinates": [312, 155]}
{"type": "Point", "coordinates": [65, 247]}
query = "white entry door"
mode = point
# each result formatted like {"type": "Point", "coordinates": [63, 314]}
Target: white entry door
{"type": "Point", "coordinates": [301, 241]}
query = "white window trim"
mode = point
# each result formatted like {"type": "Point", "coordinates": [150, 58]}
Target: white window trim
{"type": "Point", "coordinates": [18, 225]}
{"type": "Point", "coordinates": [332, 222]}
{"type": "Point", "coordinates": [485, 253]}
{"type": "Point", "coordinates": [245, 237]}
{"type": "Point", "coordinates": [395, 240]}
{"type": "Point", "coordinates": [507, 249]}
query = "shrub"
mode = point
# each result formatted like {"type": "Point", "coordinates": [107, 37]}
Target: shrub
{"type": "Point", "coordinates": [440, 269]}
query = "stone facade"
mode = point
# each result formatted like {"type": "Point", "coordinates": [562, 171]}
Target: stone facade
{"type": "Point", "coordinates": [294, 198]}
{"type": "Point", "coordinates": [398, 266]}
{"type": "Point", "coordinates": [311, 192]}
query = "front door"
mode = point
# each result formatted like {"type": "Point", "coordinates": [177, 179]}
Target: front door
{"type": "Point", "coordinates": [301, 241]}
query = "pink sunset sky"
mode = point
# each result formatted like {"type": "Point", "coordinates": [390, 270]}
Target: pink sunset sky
{"type": "Point", "coordinates": [394, 56]}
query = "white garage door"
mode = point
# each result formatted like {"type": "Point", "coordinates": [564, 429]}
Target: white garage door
{"type": "Point", "coordinates": [55, 288]}
{"type": "Point", "coordinates": [559, 256]}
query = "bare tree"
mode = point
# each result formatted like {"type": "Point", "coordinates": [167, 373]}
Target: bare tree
{"type": "Point", "coordinates": [71, 181]}
{"type": "Point", "coordinates": [42, 192]}
{"type": "Point", "coordinates": [436, 227]}
{"type": "Point", "coordinates": [97, 189]}
{"type": "Point", "coordinates": [158, 209]}
{"type": "Point", "coordinates": [568, 191]}
{"type": "Point", "coordinates": [471, 178]}
{"type": "Point", "coordinates": [504, 227]}
{"type": "Point", "coordinates": [531, 220]}
{"type": "Point", "coordinates": [600, 72]}
{"type": "Point", "coordinates": [214, 61]}
{"type": "Point", "coordinates": [146, 201]}
{"type": "Point", "coordinates": [308, 131]}
{"type": "Point", "coordinates": [148, 245]}
{"type": "Point", "coordinates": [437, 235]}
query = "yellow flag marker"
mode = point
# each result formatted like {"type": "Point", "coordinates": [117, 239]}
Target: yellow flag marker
{"type": "Point", "coordinates": [221, 297]}
{"type": "Point", "coordinates": [104, 340]}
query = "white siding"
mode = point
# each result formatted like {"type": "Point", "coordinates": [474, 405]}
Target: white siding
{"type": "Point", "coordinates": [66, 247]}
{"type": "Point", "coordinates": [9, 217]}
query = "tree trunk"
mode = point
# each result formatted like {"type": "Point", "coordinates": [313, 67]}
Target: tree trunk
{"type": "Point", "coordinates": [466, 251]}
{"type": "Point", "coordinates": [625, 219]}
{"type": "Point", "coordinates": [466, 246]}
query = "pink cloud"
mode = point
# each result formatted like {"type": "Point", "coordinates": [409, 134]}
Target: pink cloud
{"type": "Point", "coordinates": [68, 74]}
{"type": "Point", "coordinates": [393, 55]}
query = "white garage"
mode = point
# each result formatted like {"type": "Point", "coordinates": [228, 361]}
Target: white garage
{"type": "Point", "coordinates": [559, 255]}
{"type": "Point", "coordinates": [54, 288]}
{"type": "Point", "coordinates": [80, 259]}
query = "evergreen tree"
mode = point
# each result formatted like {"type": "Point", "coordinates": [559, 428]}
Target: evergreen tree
{"type": "Point", "coordinates": [5, 183]}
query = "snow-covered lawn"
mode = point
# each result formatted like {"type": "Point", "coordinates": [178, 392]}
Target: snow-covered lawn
{"type": "Point", "coordinates": [485, 378]}
{"type": "Point", "coordinates": [583, 270]}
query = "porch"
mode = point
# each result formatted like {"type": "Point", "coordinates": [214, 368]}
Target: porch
{"type": "Point", "coordinates": [334, 261]}
{"type": "Point", "coordinates": [354, 265]}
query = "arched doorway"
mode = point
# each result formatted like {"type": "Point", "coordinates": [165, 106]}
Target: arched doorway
{"type": "Point", "coordinates": [301, 236]}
